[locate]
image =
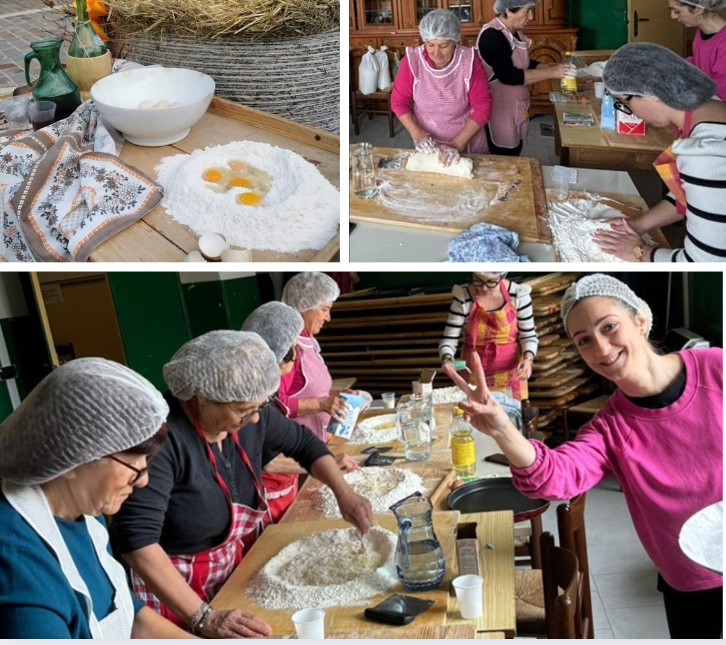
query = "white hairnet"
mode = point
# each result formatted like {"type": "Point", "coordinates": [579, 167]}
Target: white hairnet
{"type": "Point", "coordinates": [86, 409]}
{"type": "Point", "coordinates": [440, 24]}
{"type": "Point", "coordinates": [223, 366]}
{"type": "Point", "coordinates": [500, 6]}
{"type": "Point", "coordinates": [646, 69]}
{"type": "Point", "coordinates": [494, 274]}
{"type": "Point", "coordinates": [709, 5]}
{"type": "Point", "coordinates": [278, 324]}
{"type": "Point", "coordinates": [310, 290]}
{"type": "Point", "coordinates": [604, 286]}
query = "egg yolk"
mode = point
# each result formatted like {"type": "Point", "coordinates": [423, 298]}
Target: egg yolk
{"type": "Point", "coordinates": [236, 166]}
{"type": "Point", "coordinates": [212, 174]}
{"type": "Point", "coordinates": [239, 182]}
{"type": "Point", "coordinates": [249, 199]}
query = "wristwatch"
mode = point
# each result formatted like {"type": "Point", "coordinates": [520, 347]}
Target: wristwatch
{"type": "Point", "coordinates": [638, 253]}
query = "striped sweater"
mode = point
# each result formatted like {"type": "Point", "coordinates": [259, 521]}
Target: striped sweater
{"type": "Point", "coordinates": [462, 301]}
{"type": "Point", "coordinates": [701, 161]}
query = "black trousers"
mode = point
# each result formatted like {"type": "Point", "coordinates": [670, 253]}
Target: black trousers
{"type": "Point", "coordinates": [693, 614]}
{"type": "Point", "coordinates": [496, 150]}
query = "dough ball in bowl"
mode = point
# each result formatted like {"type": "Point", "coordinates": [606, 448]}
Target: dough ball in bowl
{"type": "Point", "coordinates": [153, 106]}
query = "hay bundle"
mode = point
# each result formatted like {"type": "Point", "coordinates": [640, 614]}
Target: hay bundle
{"type": "Point", "coordinates": [219, 18]}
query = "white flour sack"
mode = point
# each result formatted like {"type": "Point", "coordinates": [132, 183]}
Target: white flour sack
{"type": "Point", "coordinates": [294, 206]}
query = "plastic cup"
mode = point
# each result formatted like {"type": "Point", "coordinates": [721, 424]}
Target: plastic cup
{"type": "Point", "coordinates": [42, 114]}
{"type": "Point", "coordinates": [562, 187]}
{"type": "Point", "coordinates": [469, 594]}
{"type": "Point", "coordinates": [309, 623]}
{"type": "Point", "coordinates": [16, 112]}
{"type": "Point", "coordinates": [599, 89]}
{"type": "Point", "coordinates": [389, 400]}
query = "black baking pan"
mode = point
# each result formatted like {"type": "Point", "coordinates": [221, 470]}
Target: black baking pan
{"type": "Point", "coordinates": [495, 494]}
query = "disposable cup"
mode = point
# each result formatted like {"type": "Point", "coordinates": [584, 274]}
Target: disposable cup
{"type": "Point", "coordinates": [469, 594]}
{"type": "Point", "coordinates": [599, 89]}
{"type": "Point", "coordinates": [309, 623]}
{"type": "Point", "coordinates": [16, 112]}
{"type": "Point", "coordinates": [562, 187]}
{"type": "Point", "coordinates": [389, 399]}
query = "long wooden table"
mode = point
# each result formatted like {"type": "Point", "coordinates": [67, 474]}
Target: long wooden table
{"type": "Point", "coordinates": [592, 147]}
{"type": "Point", "coordinates": [158, 238]}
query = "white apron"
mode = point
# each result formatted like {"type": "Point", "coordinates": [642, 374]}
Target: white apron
{"type": "Point", "coordinates": [31, 504]}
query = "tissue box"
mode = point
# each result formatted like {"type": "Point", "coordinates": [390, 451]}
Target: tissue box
{"type": "Point", "coordinates": [629, 124]}
{"type": "Point", "coordinates": [467, 549]}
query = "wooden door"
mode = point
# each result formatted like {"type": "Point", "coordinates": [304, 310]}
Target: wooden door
{"type": "Point", "coordinates": [649, 21]}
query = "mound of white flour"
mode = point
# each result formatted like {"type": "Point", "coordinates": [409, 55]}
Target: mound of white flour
{"type": "Point", "coordinates": [376, 430]}
{"type": "Point", "coordinates": [301, 210]}
{"type": "Point", "coordinates": [335, 568]}
{"type": "Point", "coordinates": [382, 486]}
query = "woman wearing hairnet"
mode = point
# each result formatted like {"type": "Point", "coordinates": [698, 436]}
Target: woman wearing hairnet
{"type": "Point", "coordinates": [709, 44]}
{"type": "Point", "coordinates": [440, 94]}
{"type": "Point", "coordinates": [71, 453]}
{"type": "Point", "coordinates": [505, 51]}
{"type": "Point", "coordinates": [495, 316]}
{"type": "Point", "coordinates": [660, 434]}
{"type": "Point", "coordinates": [185, 533]}
{"type": "Point", "coordinates": [660, 87]}
{"type": "Point", "coordinates": [306, 391]}
{"type": "Point", "coordinates": [279, 326]}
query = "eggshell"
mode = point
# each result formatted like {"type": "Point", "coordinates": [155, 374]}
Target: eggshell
{"type": "Point", "coordinates": [236, 255]}
{"type": "Point", "coordinates": [211, 245]}
{"type": "Point", "coordinates": [194, 256]}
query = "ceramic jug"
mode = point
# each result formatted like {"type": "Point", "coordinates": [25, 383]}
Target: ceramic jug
{"type": "Point", "coordinates": [420, 561]}
{"type": "Point", "coordinates": [53, 84]}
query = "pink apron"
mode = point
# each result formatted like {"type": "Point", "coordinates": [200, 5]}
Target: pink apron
{"type": "Point", "coordinates": [493, 335]}
{"type": "Point", "coordinates": [317, 383]}
{"type": "Point", "coordinates": [207, 571]}
{"type": "Point", "coordinates": [509, 123]}
{"type": "Point", "coordinates": [441, 96]}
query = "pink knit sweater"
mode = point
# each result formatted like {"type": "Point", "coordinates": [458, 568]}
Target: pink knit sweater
{"type": "Point", "coordinates": [669, 463]}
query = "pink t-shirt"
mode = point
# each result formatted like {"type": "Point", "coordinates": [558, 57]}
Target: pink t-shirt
{"type": "Point", "coordinates": [709, 56]}
{"type": "Point", "coordinates": [668, 461]}
{"type": "Point", "coordinates": [480, 98]}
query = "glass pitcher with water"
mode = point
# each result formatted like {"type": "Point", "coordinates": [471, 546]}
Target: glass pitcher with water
{"type": "Point", "coordinates": [420, 561]}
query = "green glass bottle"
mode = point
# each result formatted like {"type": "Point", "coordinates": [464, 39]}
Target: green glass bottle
{"type": "Point", "coordinates": [86, 43]}
{"type": "Point", "coordinates": [53, 84]}
{"type": "Point", "coordinates": [88, 58]}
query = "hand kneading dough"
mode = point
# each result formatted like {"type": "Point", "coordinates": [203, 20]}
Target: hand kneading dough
{"type": "Point", "coordinates": [424, 162]}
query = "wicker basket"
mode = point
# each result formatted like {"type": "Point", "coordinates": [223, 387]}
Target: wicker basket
{"type": "Point", "coordinates": [295, 77]}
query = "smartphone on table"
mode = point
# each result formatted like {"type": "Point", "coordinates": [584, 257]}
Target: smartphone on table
{"type": "Point", "coordinates": [398, 609]}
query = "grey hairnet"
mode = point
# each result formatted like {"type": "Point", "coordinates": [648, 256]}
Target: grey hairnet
{"type": "Point", "coordinates": [310, 290]}
{"type": "Point", "coordinates": [605, 286]}
{"type": "Point", "coordinates": [709, 5]}
{"type": "Point", "coordinates": [497, 274]}
{"type": "Point", "coordinates": [86, 409]}
{"type": "Point", "coordinates": [440, 24]}
{"type": "Point", "coordinates": [646, 69]}
{"type": "Point", "coordinates": [500, 6]}
{"type": "Point", "coordinates": [278, 324]}
{"type": "Point", "coordinates": [223, 366]}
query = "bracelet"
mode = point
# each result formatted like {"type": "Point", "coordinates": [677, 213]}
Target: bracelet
{"type": "Point", "coordinates": [198, 618]}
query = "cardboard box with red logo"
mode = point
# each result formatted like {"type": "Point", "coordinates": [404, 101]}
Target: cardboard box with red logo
{"type": "Point", "coordinates": [629, 124]}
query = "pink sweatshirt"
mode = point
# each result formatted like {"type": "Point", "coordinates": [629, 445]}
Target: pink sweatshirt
{"type": "Point", "coordinates": [669, 463]}
{"type": "Point", "coordinates": [480, 98]}
{"type": "Point", "coordinates": [710, 57]}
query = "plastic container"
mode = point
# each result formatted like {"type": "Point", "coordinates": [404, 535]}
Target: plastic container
{"type": "Point", "coordinates": [463, 451]}
{"type": "Point", "coordinates": [356, 404]}
{"type": "Point", "coordinates": [607, 112]}
{"type": "Point", "coordinates": [568, 83]}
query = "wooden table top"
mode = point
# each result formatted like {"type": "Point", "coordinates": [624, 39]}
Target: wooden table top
{"type": "Point", "coordinates": [578, 136]}
{"type": "Point", "coordinates": [158, 238]}
{"type": "Point", "coordinates": [437, 202]}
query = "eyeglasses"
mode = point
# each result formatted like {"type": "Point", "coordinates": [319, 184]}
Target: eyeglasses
{"type": "Point", "coordinates": [489, 284]}
{"type": "Point", "coordinates": [623, 105]}
{"type": "Point", "coordinates": [244, 420]}
{"type": "Point", "coordinates": [140, 472]}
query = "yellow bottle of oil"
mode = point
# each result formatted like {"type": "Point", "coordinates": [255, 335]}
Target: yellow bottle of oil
{"type": "Point", "coordinates": [463, 452]}
{"type": "Point", "coordinates": [568, 83]}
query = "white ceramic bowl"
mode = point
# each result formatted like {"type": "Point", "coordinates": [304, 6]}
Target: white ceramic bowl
{"type": "Point", "coordinates": [119, 98]}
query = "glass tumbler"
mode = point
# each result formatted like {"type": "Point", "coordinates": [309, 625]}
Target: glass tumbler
{"type": "Point", "coordinates": [364, 175]}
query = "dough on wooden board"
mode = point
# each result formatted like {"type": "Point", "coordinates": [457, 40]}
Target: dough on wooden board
{"type": "Point", "coordinates": [425, 162]}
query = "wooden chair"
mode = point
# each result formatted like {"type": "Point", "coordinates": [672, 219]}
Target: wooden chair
{"type": "Point", "coordinates": [376, 103]}
{"type": "Point", "coordinates": [529, 591]}
{"type": "Point", "coordinates": [561, 578]}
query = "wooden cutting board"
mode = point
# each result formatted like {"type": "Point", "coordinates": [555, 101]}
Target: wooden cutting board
{"type": "Point", "coordinates": [344, 619]}
{"type": "Point", "coordinates": [436, 474]}
{"type": "Point", "coordinates": [412, 631]}
{"type": "Point", "coordinates": [506, 191]}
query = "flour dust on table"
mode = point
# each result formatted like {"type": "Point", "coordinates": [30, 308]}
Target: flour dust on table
{"type": "Point", "coordinates": [256, 195]}
{"type": "Point", "coordinates": [334, 568]}
{"type": "Point", "coordinates": [382, 486]}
